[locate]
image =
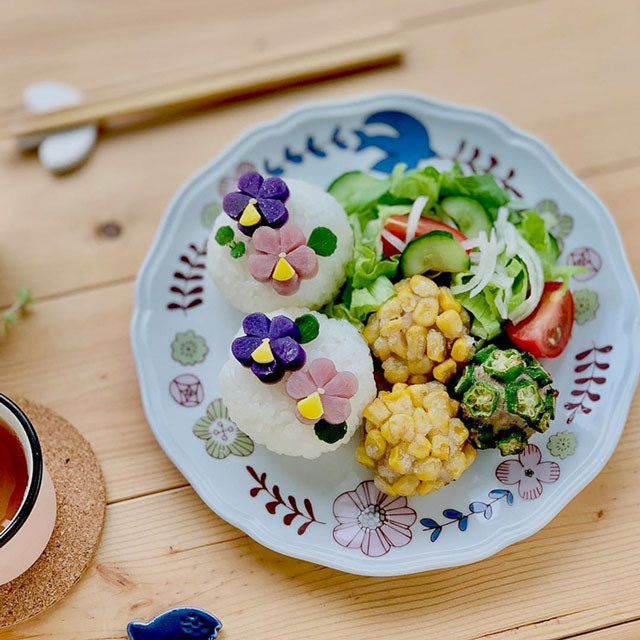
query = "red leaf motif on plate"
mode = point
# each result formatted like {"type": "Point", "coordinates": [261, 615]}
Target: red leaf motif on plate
{"type": "Point", "coordinates": [584, 392]}
{"type": "Point", "coordinates": [291, 505]}
{"type": "Point", "coordinates": [193, 260]}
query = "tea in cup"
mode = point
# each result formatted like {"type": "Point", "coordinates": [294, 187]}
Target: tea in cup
{"type": "Point", "coordinates": [27, 497]}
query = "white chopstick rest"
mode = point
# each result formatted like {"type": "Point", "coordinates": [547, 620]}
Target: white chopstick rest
{"type": "Point", "coordinates": [65, 150]}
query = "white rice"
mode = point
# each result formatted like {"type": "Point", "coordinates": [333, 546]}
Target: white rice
{"type": "Point", "coordinates": [265, 411]}
{"type": "Point", "coordinates": [309, 207]}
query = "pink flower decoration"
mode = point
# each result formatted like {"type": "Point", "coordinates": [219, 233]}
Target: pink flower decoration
{"type": "Point", "coordinates": [335, 389]}
{"type": "Point", "coordinates": [288, 242]}
{"type": "Point", "coordinates": [528, 472]}
{"type": "Point", "coordinates": [372, 521]}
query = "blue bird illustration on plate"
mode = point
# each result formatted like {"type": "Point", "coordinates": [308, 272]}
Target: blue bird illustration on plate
{"type": "Point", "coordinates": [410, 145]}
{"type": "Point", "coordinates": [183, 623]}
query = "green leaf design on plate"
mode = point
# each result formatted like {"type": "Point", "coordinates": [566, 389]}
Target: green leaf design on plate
{"type": "Point", "coordinates": [243, 445]}
{"type": "Point", "coordinates": [201, 428]}
{"type": "Point", "coordinates": [217, 450]}
{"type": "Point", "coordinates": [560, 225]}
{"type": "Point", "coordinates": [323, 241]}
{"type": "Point", "coordinates": [309, 327]}
{"type": "Point", "coordinates": [330, 433]}
{"type": "Point", "coordinates": [564, 226]}
{"type": "Point", "coordinates": [586, 305]}
{"type": "Point", "coordinates": [209, 213]}
{"type": "Point", "coordinates": [217, 409]}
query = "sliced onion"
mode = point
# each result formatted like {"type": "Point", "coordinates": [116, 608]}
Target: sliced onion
{"type": "Point", "coordinates": [483, 245]}
{"type": "Point", "coordinates": [394, 241]}
{"type": "Point", "coordinates": [501, 305]}
{"type": "Point", "coordinates": [489, 266]}
{"type": "Point", "coordinates": [502, 281]}
{"type": "Point", "coordinates": [414, 217]}
{"type": "Point", "coordinates": [536, 281]}
{"type": "Point", "coordinates": [470, 243]}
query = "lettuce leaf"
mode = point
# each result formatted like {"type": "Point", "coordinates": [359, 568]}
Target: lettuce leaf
{"type": "Point", "coordinates": [365, 300]}
{"type": "Point", "coordinates": [414, 183]}
{"type": "Point", "coordinates": [486, 319]}
{"type": "Point", "coordinates": [481, 187]}
{"type": "Point", "coordinates": [534, 229]}
{"type": "Point", "coordinates": [368, 262]}
{"type": "Point", "coordinates": [516, 270]}
{"type": "Point", "coordinates": [369, 275]}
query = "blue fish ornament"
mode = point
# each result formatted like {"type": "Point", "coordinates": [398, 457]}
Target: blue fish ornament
{"type": "Point", "coordinates": [410, 145]}
{"type": "Point", "coordinates": [182, 623]}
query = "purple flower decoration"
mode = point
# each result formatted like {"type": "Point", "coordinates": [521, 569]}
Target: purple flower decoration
{"type": "Point", "coordinates": [258, 202]}
{"type": "Point", "coordinates": [270, 347]}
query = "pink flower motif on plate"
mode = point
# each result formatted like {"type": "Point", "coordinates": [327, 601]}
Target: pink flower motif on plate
{"type": "Point", "coordinates": [588, 258]}
{"type": "Point", "coordinates": [288, 243]}
{"type": "Point", "coordinates": [528, 472]}
{"type": "Point", "coordinates": [229, 182]}
{"type": "Point", "coordinates": [372, 521]}
{"type": "Point", "coordinates": [335, 389]}
{"type": "Point", "coordinates": [186, 390]}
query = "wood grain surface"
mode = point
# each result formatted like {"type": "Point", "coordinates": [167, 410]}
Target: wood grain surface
{"type": "Point", "coordinates": [566, 70]}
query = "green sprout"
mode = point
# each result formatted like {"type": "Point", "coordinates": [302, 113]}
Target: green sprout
{"type": "Point", "coordinates": [10, 316]}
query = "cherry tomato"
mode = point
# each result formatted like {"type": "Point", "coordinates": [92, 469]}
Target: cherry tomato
{"type": "Point", "coordinates": [397, 225]}
{"type": "Point", "coordinates": [546, 332]}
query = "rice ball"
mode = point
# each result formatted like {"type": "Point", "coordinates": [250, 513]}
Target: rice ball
{"type": "Point", "coordinates": [309, 207]}
{"type": "Point", "coordinates": [267, 413]}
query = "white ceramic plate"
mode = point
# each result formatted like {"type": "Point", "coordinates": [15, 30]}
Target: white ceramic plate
{"type": "Point", "coordinates": [182, 328]}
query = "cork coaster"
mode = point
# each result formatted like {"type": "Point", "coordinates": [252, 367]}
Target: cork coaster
{"type": "Point", "coordinates": [81, 499]}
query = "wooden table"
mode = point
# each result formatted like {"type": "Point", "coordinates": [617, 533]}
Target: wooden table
{"type": "Point", "coordinates": [567, 70]}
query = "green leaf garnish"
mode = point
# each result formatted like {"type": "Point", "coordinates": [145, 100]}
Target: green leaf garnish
{"type": "Point", "coordinates": [309, 327]}
{"type": "Point", "coordinates": [323, 241]}
{"type": "Point", "coordinates": [24, 296]}
{"type": "Point", "coordinates": [10, 316]}
{"type": "Point", "coordinates": [237, 249]}
{"type": "Point", "coordinates": [8, 319]}
{"type": "Point", "coordinates": [224, 235]}
{"type": "Point", "coordinates": [330, 433]}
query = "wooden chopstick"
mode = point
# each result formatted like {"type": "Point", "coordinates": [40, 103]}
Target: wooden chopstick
{"type": "Point", "coordinates": [378, 49]}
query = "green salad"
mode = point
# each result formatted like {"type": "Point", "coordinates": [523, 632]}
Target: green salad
{"type": "Point", "coordinates": [499, 254]}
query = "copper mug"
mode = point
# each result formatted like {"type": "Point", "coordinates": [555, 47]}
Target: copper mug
{"type": "Point", "coordinates": [25, 535]}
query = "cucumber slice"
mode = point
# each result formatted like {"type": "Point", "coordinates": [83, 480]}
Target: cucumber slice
{"type": "Point", "coordinates": [434, 251]}
{"type": "Point", "coordinates": [355, 190]}
{"type": "Point", "coordinates": [470, 216]}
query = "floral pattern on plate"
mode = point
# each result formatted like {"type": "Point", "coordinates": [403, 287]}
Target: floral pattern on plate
{"type": "Point", "coordinates": [187, 390]}
{"type": "Point", "coordinates": [372, 521]}
{"type": "Point", "coordinates": [189, 348]}
{"type": "Point", "coordinates": [562, 445]}
{"type": "Point", "coordinates": [586, 305]}
{"type": "Point", "coordinates": [528, 471]}
{"type": "Point", "coordinates": [318, 143]}
{"type": "Point", "coordinates": [221, 434]}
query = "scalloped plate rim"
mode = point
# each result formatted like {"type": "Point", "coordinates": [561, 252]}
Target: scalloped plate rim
{"type": "Point", "coordinates": [504, 535]}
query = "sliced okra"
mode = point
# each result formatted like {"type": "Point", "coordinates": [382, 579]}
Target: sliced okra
{"type": "Point", "coordinates": [511, 441]}
{"type": "Point", "coordinates": [523, 398]}
{"type": "Point", "coordinates": [505, 365]}
{"type": "Point", "coordinates": [481, 399]}
{"type": "Point", "coordinates": [466, 380]}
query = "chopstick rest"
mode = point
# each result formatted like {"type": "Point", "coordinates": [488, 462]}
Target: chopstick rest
{"type": "Point", "coordinates": [60, 151]}
{"type": "Point", "coordinates": [186, 623]}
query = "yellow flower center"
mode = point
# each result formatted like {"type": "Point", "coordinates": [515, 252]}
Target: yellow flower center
{"type": "Point", "coordinates": [262, 354]}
